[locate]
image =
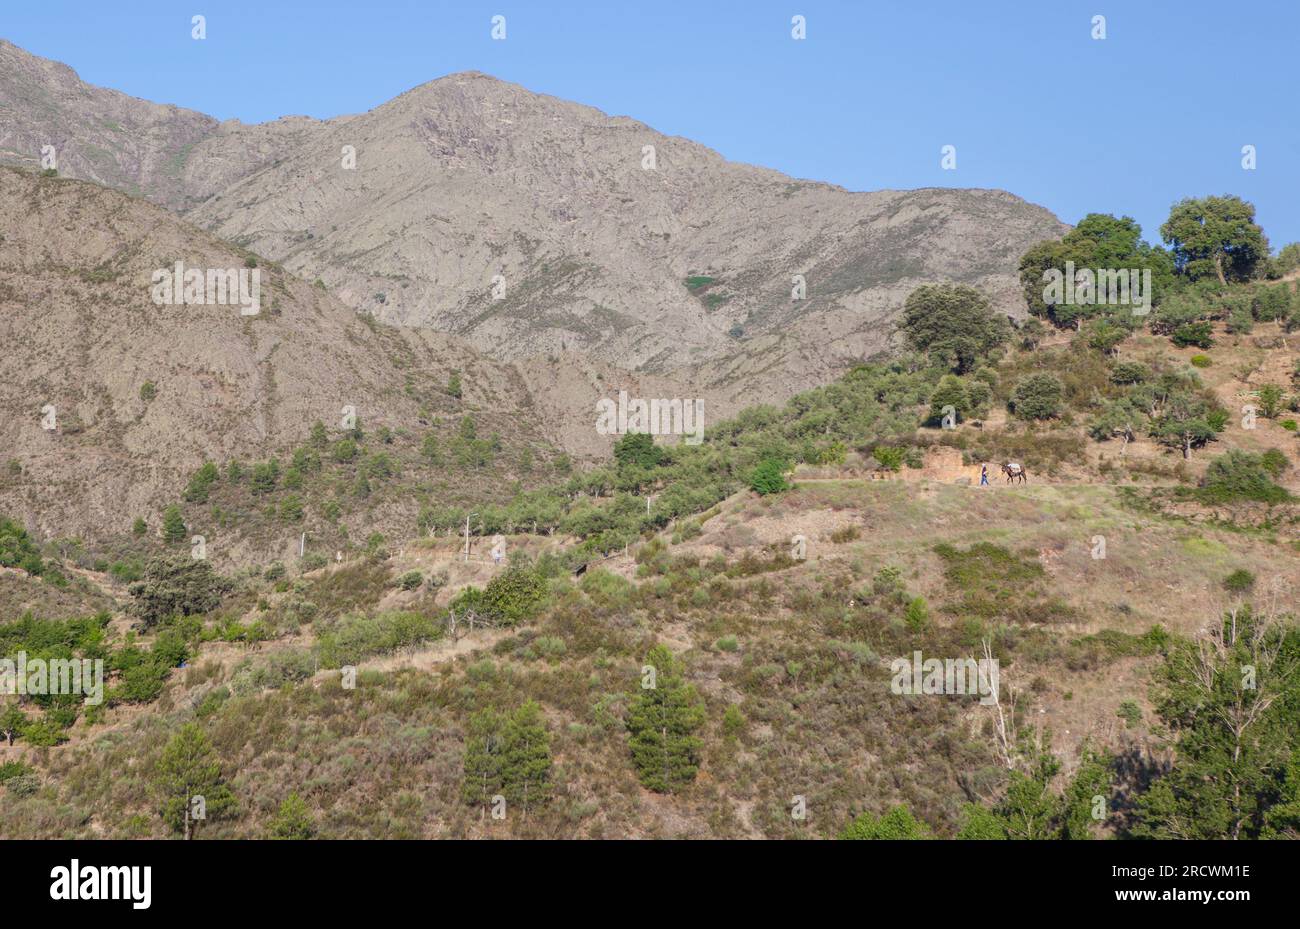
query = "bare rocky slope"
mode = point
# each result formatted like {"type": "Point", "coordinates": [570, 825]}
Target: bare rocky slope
{"type": "Point", "coordinates": [83, 336]}
{"type": "Point", "coordinates": [533, 227]}
{"type": "Point", "coordinates": [97, 134]}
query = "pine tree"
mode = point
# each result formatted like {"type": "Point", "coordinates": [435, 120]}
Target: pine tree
{"type": "Point", "coordinates": [174, 529]}
{"type": "Point", "coordinates": [662, 722]}
{"type": "Point", "coordinates": [508, 754]}
{"type": "Point", "coordinates": [293, 821]}
{"type": "Point", "coordinates": [1090, 781]}
{"type": "Point", "coordinates": [430, 450]}
{"type": "Point", "coordinates": [527, 769]}
{"type": "Point", "coordinates": [319, 438]}
{"type": "Point", "coordinates": [1030, 809]}
{"type": "Point", "coordinates": [1229, 698]}
{"type": "Point", "coordinates": [201, 483]}
{"type": "Point", "coordinates": [483, 758]}
{"type": "Point", "coordinates": [187, 772]}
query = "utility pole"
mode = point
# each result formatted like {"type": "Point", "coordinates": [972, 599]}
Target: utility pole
{"type": "Point", "coordinates": [302, 545]}
{"type": "Point", "coordinates": [467, 519]}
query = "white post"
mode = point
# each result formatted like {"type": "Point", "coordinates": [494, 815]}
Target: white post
{"type": "Point", "coordinates": [467, 519]}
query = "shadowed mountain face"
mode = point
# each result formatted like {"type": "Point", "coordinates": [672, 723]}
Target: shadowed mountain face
{"type": "Point", "coordinates": [531, 226]}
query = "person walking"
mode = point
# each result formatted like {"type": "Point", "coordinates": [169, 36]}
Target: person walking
{"type": "Point", "coordinates": [984, 475]}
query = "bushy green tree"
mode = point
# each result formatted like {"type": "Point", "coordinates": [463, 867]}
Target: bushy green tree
{"type": "Point", "coordinates": [306, 459]}
{"type": "Point", "coordinates": [1230, 699]}
{"type": "Point", "coordinates": [917, 615]}
{"type": "Point", "coordinates": [1129, 372]}
{"type": "Point", "coordinates": [1239, 581]}
{"type": "Point", "coordinates": [1087, 794]}
{"type": "Point", "coordinates": [897, 823]}
{"type": "Point", "coordinates": [1105, 335]}
{"type": "Point", "coordinates": [1282, 819]}
{"type": "Point", "coordinates": [1270, 400]}
{"type": "Point", "coordinates": [768, 477]}
{"type": "Point", "coordinates": [1182, 309]}
{"type": "Point", "coordinates": [1272, 304]}
{"type": "Point", "coordinates": [1215, 236]}
{"type": "Point", "coordinates": [1275, 462]}
{"type": "Point", "coordinates": [1122, 418]}
{"type": "Point", "coordinates": [1200, 334]}
{"type": "Point", "coordinates": [291, 509]}
{"type": "Point", "coordinates": [1038, 396]}
{"type": "Point", "coordinates": [1031, 809]}
{"type": "Point", "coordinates": [12, 723]}
{"type": "Point", "coordinates": [954, 325]}
{"type": "Point", "coordinates": [1287, 260]}
{"type": "Point", "coordinates": [1099, 242]}
{"type": "Point", "coordinates": [514, 595]}
{"type": "Point", "coordinates": [1184, 417]}
{"type": "Point", "coordinates": [141, 683]}
{"type": "Point", "coordinates": [950, 391]}
{"type": "Point", "coordinates": [890, 457]}
{"type": "Point", "coordinates": [1241, 475]}
{"type": "Point", "coordinates": [176, 586]}
{"type": "Point", "coordinates": [17, 548]}
{"type": "Point", "coordinates": [637, 449]}
{"type": "Point", "coordinates": [981, 823]}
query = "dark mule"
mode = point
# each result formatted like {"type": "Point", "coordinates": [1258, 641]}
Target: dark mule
{"type": "Point", "coordinates": [1013, 472]}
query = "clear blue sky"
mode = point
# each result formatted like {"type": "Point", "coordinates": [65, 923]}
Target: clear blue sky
{"type": "Point", "coordinates": [1157, 111]}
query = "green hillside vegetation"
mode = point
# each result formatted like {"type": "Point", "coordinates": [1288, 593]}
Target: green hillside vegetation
{"type": "Point", "coordinates": [653, 658]}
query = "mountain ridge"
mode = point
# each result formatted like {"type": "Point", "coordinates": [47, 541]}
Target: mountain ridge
{"type": "Point", "coordinates": [467, 176]}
